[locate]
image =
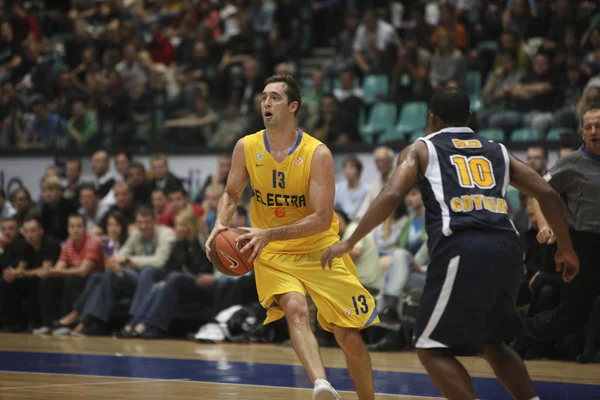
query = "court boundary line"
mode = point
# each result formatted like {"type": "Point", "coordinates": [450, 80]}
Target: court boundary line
{"type": "Point", "coordinates": [205, 382]}
{"type": "Point", "coordinates": [124, 381]}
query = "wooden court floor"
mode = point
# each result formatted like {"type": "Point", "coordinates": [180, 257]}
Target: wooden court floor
{"type": "Point", "coordinates": [49, 368]}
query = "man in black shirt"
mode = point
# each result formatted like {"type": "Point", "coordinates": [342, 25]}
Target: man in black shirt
{"type": "Point", "coordinates": [56, 209]}
{"type": "Point", "coordinates": [20, 285]}
{"type": "Point", "coordinates": [10, 52]}
{"type": "Point", "coordinates": [11, 245]}
{"type": "Point", "coordinates": [142, 187]}
{"type": "Point", "coordinates": [125, 204]}
{"type": "Point", "coordinates": [104, 180]}
{"type": "Point", "coordinates": [163, 178]}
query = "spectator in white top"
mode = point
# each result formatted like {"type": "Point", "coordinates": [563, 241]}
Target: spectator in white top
{"type": "Point", "coordinates": [373, 37]}
{"type": "Point", "coordinates": [6, 209]}
{"type": "Point", "coordinates": [122, 161]}
{"type": "Point", "coordinates": [384, 160]}
{"type": "Point", "coordinates": [91, 208]}
{"type": "Point", "coordinates": [347, 88]}
{"type": "Point", "coordinates": [364, 254]}
{"type": "Point", "coordinates": [350, 193]}
{"type": "Point", "coordinates": [104, 179]}
{"type": "Point", "coordinates": [132, 74]}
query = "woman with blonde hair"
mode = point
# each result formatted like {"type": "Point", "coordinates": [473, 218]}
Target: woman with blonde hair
{"type": "Point", "coordinates": [189, 280]}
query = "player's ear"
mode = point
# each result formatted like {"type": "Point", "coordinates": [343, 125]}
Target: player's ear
{"type": "Point", "coordinates": [293, 106]}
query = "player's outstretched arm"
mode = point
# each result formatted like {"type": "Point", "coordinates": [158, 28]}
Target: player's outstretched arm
{"type": "Point", "coordinates": [531, 183]}
{"type": "Point", "coordinates": [411, 164]}
{"type": "Point", "coordinates": [236, 183]}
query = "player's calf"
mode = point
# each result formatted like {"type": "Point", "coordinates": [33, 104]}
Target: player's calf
{"type": "Point", "coordinates": [447, 374]}
{"type": "Point", "coordinates": [358, 360]}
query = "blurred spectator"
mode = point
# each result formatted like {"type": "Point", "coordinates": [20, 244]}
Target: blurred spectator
{"type": "Point", "coordinates": [133, 77]}
{"type": "Point", "coordinates": [83, 72]}
{"type": "Point", "coordinates": [448, 64]}
{"type": "Point", "coordinates": [189, 280]}
{"type": "Point", "coordinates": [73, 182]}
{"type": "Point", "coordinates": [124, 204]}
{"type": "Point", "coordinates": [82, 126]}
{"type": "Point", "coordinates": [247, 86]}
{"type": "Point", "coordinates": [240, 218]}
{"type": "Point", "coordinates": [12, 245]}
{"type": "Point", "coordinates": [312, 95]}
{"type": "Point", "coordinates": [261, 14]}
{"type": "Point", "coordinates": [496, 92]}
{"type": "Point", "coordinates": [25, 25]}
{"type": "Point", "coordinates": [75, 45]}
{"type": "Point", "coordinates": [161, 50]}
{"type": "Point", "coordinates": [348, 88]}
{"type": "Point", "coordinates": [91, 208]}
{"type": "Point", "coordinates": [537, 159]}
{"type": "Point", "coordinates": [132, 271]}
{"type": "Point", "coordinates": [510, 44]}
{"type": "Point", "coordinates": [384, 159]}
{"type": "Point", "coordinates": [196, 127]}
{"type": "Point", "coordinates": [386, 235]}
{"type": "Point", "coordinates": [195, 73]}
{"type": "Point", "coordinates": [60, 286]}
{"type": "Point", "coordinates": [160, 206]}
{"type": "Point", "coordinates": [284, 38]}
{"type": "Point", "coordinates": [230, 129]}
{"type": "Point", "coordinates": [411, 71]}
{"type": "Point", "coordinates": [21, 201]}
{"type": "Point", "coordinates": [565, 149]}
{"type": "Point", "coordinates": [373, 38]}
{"type": "Point", "coordinates": [364, 254]}
{"type": "Point", "coordinates": [344, 46]}
{"type": "Point", "coordinates": [10, 51]}
{"type": "Point", "coordinates": [161, 176]}
{"type": "Point", "coordinates": [179, 200]}
{"type": "Point", "coordinates": [6, 209]}
{"type": "Point", "coordinates": [219, 177]}
{"type": "Point", "coordinates": [48, 129]}
{"type": "Point", "coordinates": [569, 93]}
{"type": "Point", "coordinates": [122, 161]}
{"type": "Point", "coordinates": [142, 186]}
{"type": "Point", "coordinates": [334, 124]}
{"type": "Point", "coordinates": [326, 17]}
{"type": "Point", "coordinates": [517, 18]}
{"type": "Point", "coordinates": [421, 28]}
{"type": "Point", "coordinates": [104, 179]}
{"type": "Point", "coordinates": [350, 193]}
{"type": "Point", "coordinates": [212, 194]}
{"type": "Point", "coordinates": [56, 209]}
{"type": "Point", "coordinates": [450, 24]}
{"type": "Point", "coordinates": [532, 100]}
{"type": "Point", "coordinates": [20, 291]}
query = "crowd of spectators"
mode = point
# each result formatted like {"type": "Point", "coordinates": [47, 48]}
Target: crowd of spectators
{"type": "Point", "coordinates": [84, 74]}
{"type": "Point", "coordinates": [128, 246]}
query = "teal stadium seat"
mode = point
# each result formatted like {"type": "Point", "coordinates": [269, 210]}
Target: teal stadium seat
{"type": "Point", "coordinates": [416, 135]}
{"type": "Point", "coordinates": [413, 118]}
{"type": "Point", "coordinates": [374, 85]}
{"type": "Point", "coordinates": [512, 195]}
{"type": "Point", "coordinates": [496, 135]}
{"type": "Point", "coordinates": [474, 89]}
{"type": "Point", "coordinates": [554, 134]}
{"type": "Point", "coordinates": [381, 120]}
{"type": "Point", "coordinates": [525, 135]}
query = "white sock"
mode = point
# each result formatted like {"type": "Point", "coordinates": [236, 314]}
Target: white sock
{"type": "Point", "coordinates": [535, 398]}
{"type": "Point", "coordinates": [317, 381]}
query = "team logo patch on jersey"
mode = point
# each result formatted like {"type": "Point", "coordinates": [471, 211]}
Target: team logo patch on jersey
{"type": "Point", "coordinates": [347, 312]}
{"type": "Point", "coordinates": [299, 161]}
{"type": "Point", "coordinates": [259, 156]}
{"type": "Point", "coordinates": [279, 212]}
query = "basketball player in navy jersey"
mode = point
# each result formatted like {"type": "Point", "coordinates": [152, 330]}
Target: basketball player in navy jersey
{"type": "Point", "coordinates": [467, 305]}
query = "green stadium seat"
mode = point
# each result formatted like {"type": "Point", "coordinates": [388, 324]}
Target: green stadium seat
{"type": "Point", "coordinates": [525, 135]}
{"type": "Point", "coordinates": [337, 84]}
{"type": "Point", "coordinates": [512, 195]}
{"type": "Point", "coordinates": [496, 135]}
{"type": "Point", "coordinates": [554, 134]}
{"type": "Point", "coordinates": [414, 136]}
{"type": "Point", "coordinates": [381, 120]}
{"type": "Point", "coordinates": [374, 85]}
{"type": "Point", "coordinates": [474, 89]}
{"type": "Point", "coordinates": [413, 118]}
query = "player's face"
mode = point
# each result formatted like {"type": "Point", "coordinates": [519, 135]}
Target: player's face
{"type": "Point", "coordinates": [274, 105]}
{"type": "Point", "coordinates": [591, 131]}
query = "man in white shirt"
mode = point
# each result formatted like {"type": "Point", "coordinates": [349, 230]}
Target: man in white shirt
{"type": "Point", "coordinates": [372, 39]}
{"type": "Point", "coordinates": [91, 208]}
{"type": "Point", "coordinates": [384, 160]}
{"type": "Point", "coordinates": [350, 193]}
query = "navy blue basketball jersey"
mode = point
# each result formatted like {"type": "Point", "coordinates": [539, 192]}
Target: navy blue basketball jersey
{"type": "Point", "coordinates": [465, 184]}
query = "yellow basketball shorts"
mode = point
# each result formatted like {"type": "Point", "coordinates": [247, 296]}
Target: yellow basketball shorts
{"type": "Point", "coordinates": [340, 298]}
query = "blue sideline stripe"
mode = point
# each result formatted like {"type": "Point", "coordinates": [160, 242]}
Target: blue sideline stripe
{"type": "Point", "coordinates": [386, 382]}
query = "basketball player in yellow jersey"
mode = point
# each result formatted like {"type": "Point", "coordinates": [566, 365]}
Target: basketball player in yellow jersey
{"type": "Point", "coordinates": [292, 177]}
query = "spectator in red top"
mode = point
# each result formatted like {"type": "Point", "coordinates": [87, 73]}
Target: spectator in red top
{"type": "Point", "coordinates": [160, 49]}
{"type": "Point", "coordinates": [60, 286]}
{"type": "Point", "coordinates": [161, 207]}
{"type": "Point", "coordinates": [25, 25]}
{"type": "Point", "coordinates": [179, 200]}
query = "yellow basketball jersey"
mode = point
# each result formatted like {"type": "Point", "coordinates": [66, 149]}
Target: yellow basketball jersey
{"type": "Point", "coordinates": [281, 191]}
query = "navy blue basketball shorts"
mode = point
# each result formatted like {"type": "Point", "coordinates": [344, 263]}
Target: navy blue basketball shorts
{"type": "Point", "coordinates": [470, 293]}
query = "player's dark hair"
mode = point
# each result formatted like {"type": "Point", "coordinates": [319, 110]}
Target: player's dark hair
{"type": "Point", "coordinates": [144, 211]}
{"type": "Point", "coordinates": [451, 105]}
{"type": "Point", "coordinates": [293, 89]}
{"type": "Point", "coordinates": [342, 215]}
{"type": "Point", "coordinates": [355, 161]}
{"type": "Point", "coordinates": [77, 215]}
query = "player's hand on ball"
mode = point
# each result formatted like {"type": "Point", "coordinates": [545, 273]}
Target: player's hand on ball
{"type": "Point", "coordinates": [218, 228]}
{"type": "Point", "coordinates": [545, 235]}
{"type": "Point", "coordinates": [568, 263]}
{"type": "Point", "coordinates": [257, 240]}
{"type": "Point", "coordinates": [337, 250]}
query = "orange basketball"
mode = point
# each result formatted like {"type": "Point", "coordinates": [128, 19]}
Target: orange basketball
{"type": "Point", "coordinates": [226, 256]}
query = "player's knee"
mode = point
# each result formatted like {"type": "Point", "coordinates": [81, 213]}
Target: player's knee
{"type": "Point", "coordinates": [296, 312]}
{"type": "Point", "coordinates": [349, 340]}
